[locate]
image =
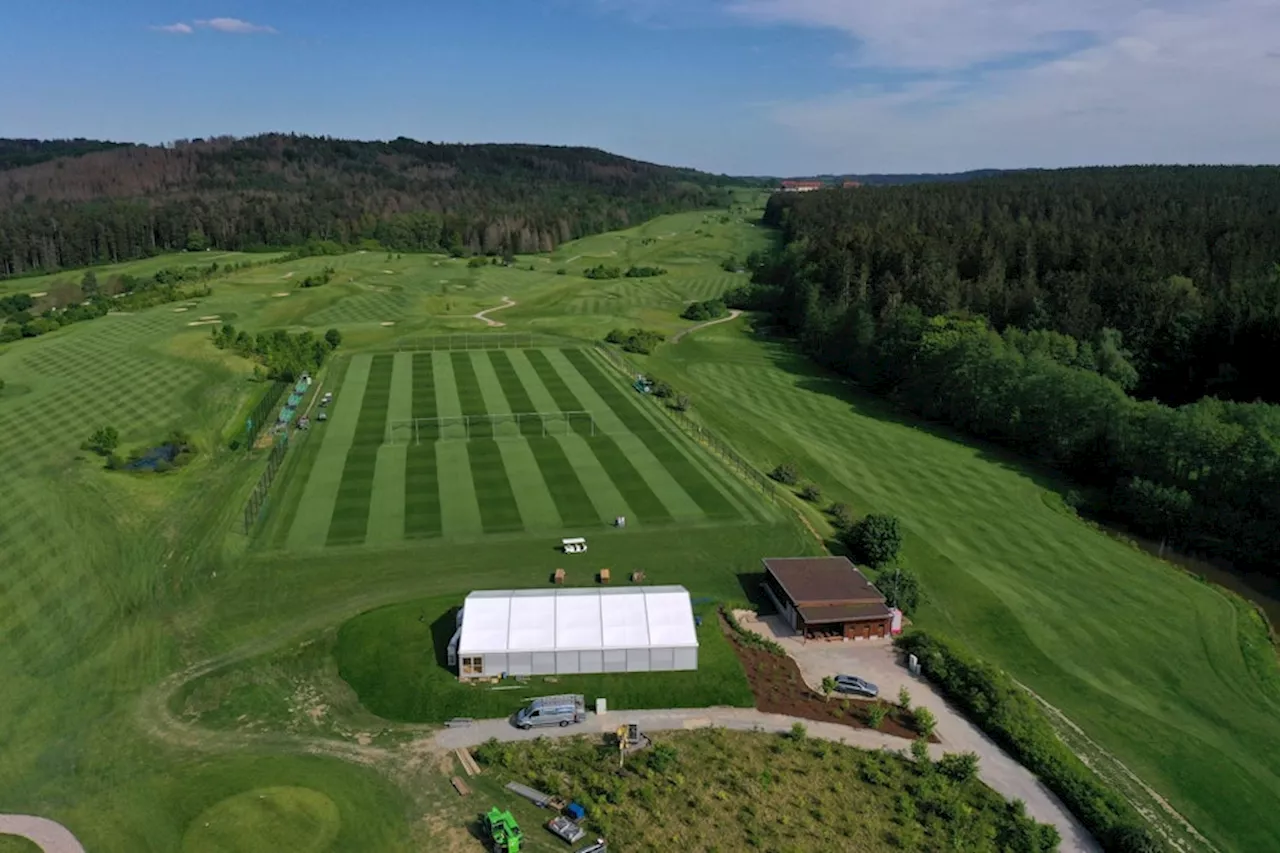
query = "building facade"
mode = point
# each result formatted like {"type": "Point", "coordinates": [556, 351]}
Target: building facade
{"type": "Point", "coordinates": [826, 597]}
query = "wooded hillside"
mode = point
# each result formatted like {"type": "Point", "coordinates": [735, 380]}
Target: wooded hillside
{"type": "Point", "coordinates": [1182, 261]}
{"type": "Point", "coordinates": [278, 190]}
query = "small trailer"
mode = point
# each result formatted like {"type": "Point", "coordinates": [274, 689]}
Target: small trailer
{"type": "Point", "coordinates": [574, 545]}
{"type": "Point", "coordinates": [566, 830]}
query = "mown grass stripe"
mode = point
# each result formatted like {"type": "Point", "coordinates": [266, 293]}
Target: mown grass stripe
{"type": "Point", "coordinates": [459, 507]}
{"type": "Point", "coordinates": [422, 515]}
{"type": "Point", "coordinates": [470, 396]}
{"type": "Point", "coordinates": [693, 481]}
{"type": "Point", "coordinates": [499, 512]}
{"type": "Point", "coordinates": [570, 496]}
{"type": "Point", "coordinates": [315, 509]}
{"type": "Point", "coordinates": [513, 389]}
{"type": "Point", "coordinates": [350, 520]}
{"type": "Point", "coordinates": [424, 395]}
{"type": "Point", "coordinates": [533, 496]}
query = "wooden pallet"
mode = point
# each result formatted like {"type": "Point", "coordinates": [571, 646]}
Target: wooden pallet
{"type": "Point", "coordinates": [460, 786]}
{"type": "Point", "coordinates": [468, 762]}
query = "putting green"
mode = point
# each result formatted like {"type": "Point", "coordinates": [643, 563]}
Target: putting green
{"type": "Point", "coordinates": [298, 820]}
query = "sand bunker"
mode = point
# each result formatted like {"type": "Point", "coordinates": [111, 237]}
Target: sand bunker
{"type": "Point", "coordinates": [389, 272]}
{"type": "Point", "coordinates": [211, 317]}
{"type": "Point", "coordinates": [281, 293]}
{"type": "Point", "coordinates": [288, 275]}
{"type": "Point", "coordinates": [180, 310]}
{"type": "Point", "coordinates": [388, 323]}
{"type": "Point", "coordinates": [204, 322]}
{"type": "Point", "coordinates": [38, 295]}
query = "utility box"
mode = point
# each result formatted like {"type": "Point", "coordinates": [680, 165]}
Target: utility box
{"type": "Point", "coordinates": [602, 705]}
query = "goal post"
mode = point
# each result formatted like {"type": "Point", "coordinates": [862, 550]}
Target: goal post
{"type": "Point", "coordinates": [403, 431]}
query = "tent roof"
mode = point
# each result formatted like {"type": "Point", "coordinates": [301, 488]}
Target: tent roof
{"type": "Point", "coordinates": [535, 620]}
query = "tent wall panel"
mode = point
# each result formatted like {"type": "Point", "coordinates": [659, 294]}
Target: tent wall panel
{"type": "Point", "coordinates": [544, 663]}
{"type": "Point", "coordinates": [615, 660]}
{"type": "Point", "coordinates": [637, 660]}
{"type": "Point", "coordinates": [686, 659]}
{"type": "Point", "coordinates": [591, 661]}
{"type": "Point", "coordinates": [520, 663]}
{"type": "Point", "coordinates": [661, 660]}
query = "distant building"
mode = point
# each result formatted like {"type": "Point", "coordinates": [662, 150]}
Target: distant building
{"type": "Point", "coordinates": [852, 185]}
{"type": "Point", "coordinates": [801, 186]}
{"type": "Point", "coordinates": [822, 597]}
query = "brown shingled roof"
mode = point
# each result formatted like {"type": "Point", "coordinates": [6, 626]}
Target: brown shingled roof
{"type": "Point", "coordinates": [845, 613]}
{"type": "Point", "coordinates": [822, 581]}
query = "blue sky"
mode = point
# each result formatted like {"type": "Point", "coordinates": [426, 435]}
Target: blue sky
{"type": "Point", "coordinates": [778, 87]}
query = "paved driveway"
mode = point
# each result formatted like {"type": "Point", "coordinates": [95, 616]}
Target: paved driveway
{"type": "Point", "coordinates": [48, 835]}
{"type": "Point", "coordinates": [876, 661]}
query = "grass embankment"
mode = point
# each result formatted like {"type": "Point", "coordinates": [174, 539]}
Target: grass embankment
{"type": "Point", "coordinates": [1173, 676]}
{"type": "Point", "coordinates": [721, 790]}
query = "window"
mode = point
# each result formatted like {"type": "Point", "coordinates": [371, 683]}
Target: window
{"type": "Point", "coordinates": [473, 666]}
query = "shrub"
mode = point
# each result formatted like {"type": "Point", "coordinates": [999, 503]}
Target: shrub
{"type": "Point", "coordinates": [751, 638]}
{"type": "Point", "coordinates": [642, 341]}
{"type": "Point", "coordinates": [925, 722]}
{"type": "Point", "coordinates": [645, 272]}
{"type": "Point", "coordinates": [662, 389]}
{"type": "Point", "coordinates": [798, 732]}
{"type": "Point", "coordinates": [875, 540]}
{"type": "Point", "coordinates": [103, 441]}
{"type": "Point", "coordinates": [477, 262]}
{"type": "Point", "coordinates": [562, 271]}
{"type": "Point", "coordinates": [901, 588]}
{"type": "Point", "coordinates": [920, 752]}
{"type": "Point", "coordinates": [786, 473]}
{"type": "Point", "coordinates": [828, 686]}
{"type": "Point", "coordinates": [876, 714]}
{"type": "Point", "coordinates": [682, 403]}
{"type": "Point", "coordinates": [841, 516]}
{"type": "Point", "coordinates": [959, 766]}
{"type": "Point", "coordinates": [812, 493]}
{"type": "Point", "coordinates": [904, 698]}
{"type": "Point", "coordinates": [1006, 712]}
{"type": "Point", "coordinates": [711, 309]}
{"type": "Point", "coordinates": [601, 271]}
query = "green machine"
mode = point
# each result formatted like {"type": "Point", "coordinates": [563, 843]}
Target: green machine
{"type": "Point", "coordinates": [504, 830]}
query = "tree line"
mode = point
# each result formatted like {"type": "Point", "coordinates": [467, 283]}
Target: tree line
{"type": "Point", "coordinates": [1180, 260]}
{"type": "Point", "coordinates": [277, 191]}
{"type": "Point", "coordinates": [1204, 475]}
{"type": "Point", "coordinates": [284, 356]}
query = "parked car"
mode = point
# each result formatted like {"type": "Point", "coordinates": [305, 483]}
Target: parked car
{"type": "Point", "coordinates": [854, 686]}
{"type": "Point", "coordinates": [323, 416]}
{"type": "Point", "coordinates": [552, 711]}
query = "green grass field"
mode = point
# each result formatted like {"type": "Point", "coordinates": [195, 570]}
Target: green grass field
{"type": "Point", "coordinates": [160, 668]}
{"type": "Point", "coordinates": [1172, 675]}
{"type": "Point", "coordinates": [553, 443]}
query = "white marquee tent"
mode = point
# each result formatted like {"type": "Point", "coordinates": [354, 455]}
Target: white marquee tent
{"type": "Point", "coordinates": [564, 631]}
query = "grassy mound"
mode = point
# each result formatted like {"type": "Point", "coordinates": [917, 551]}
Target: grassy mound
{"type": "Point", "coordinates": [285, 818]}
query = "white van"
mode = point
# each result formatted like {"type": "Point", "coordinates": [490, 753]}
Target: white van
{"type": "Point", "coordinates": [552, 711]}
{"type": "Point", "coordinates": [574, 546]}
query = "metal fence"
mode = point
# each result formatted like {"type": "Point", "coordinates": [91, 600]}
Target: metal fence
{"type": "Point", "coordinates": [257, 502]}
{"type": "Point", "coordinates": [735, 461]}
{"type": "Point", "coordinates": [262, 415]}
{"type": "Point", "coordinates": [411, 430]}
{"type": "Point", "coordinates": [477, 341]}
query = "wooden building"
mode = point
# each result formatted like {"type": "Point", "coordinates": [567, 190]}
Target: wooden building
{"type": "Point", "coordinates": [826, 597]}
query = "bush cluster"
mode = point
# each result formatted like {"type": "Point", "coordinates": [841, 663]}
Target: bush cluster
{"type": "Point", "coordinates": [1006, 712]}
{"type": "Point", "coordinates": [641, 341]}
{"type": "Point", "coordinates": [711, 309]}
{"type": "Point", "coordinates": [645, 272]}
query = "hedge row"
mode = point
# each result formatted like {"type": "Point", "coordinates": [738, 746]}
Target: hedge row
{"type": "Point", "coordinates": [1011, 717]}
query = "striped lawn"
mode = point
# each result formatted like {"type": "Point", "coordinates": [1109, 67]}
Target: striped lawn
{"type": "Point", "coordinates": [425, 483]}
{"type": "Point", "coordinates": [712, 501]}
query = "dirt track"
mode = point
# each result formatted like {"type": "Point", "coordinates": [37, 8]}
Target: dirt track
{"type": "Point", "coordinates": [507, 302]}
{"type": "Point", "coordinates": [734, 314]}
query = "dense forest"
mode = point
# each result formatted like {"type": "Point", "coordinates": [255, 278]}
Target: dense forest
{"type": "Point", "coordinates": [1053, 312]}
{"type": "Point", "coordinates": [16, 153]}
{"type": "Point", "coordinates": [278, 190]}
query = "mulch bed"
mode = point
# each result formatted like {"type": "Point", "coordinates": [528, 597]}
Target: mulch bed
{"type": "Point", "coordinates": [779, 689]}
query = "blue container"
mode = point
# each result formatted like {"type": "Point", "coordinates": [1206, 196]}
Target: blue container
{"type": "Point", "coordinates": [576, 811]}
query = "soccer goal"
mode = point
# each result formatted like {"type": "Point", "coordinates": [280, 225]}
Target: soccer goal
{"type": "Point", "coordinates": [501, 425]}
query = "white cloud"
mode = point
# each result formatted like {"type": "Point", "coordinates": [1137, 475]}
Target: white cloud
{"type": "Point", "coordinates": [1167, 82]}
{"type": "Point", "coordinates": [179, 29]}
{"type": "Point", "coordinates": [233, 25]}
